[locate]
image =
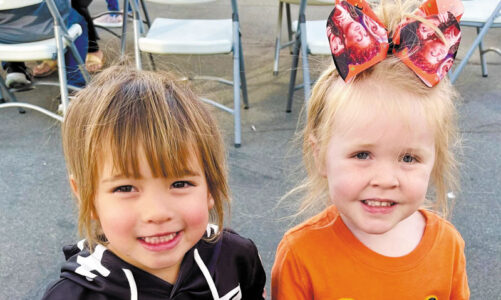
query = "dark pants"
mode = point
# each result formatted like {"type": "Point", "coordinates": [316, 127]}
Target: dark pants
{"type": "Point", "coordinates": [81, 6]}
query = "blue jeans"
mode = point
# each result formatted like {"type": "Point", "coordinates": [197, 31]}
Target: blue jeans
{"type": "Point", "coordinates": [73, 74]}
{"type": "Point", "coordinates": [112, 5]}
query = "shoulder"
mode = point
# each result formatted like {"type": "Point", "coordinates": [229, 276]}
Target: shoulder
{"type": "Point", "coordinates": [238, 264]}
{"type": "Point", "coordinates": [447, 236]}
{"type": "Point", "coordinates": [443, 226]}
{"type": "Point", "coordinates": [234, 240]}
{"type": "Point", "coordinates": [66, 289]}
{"type": "Point", "coordinates": [236, 249]}
{"type": "Point", "coordinates": [312, 229]}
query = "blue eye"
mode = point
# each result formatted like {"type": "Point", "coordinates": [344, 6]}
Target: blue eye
{"type": "Point", "coordinates": [362, 155]}
{"type": "Point", "coordinates": [123, 189]}
{"type": "Point", "coordinates": [407, 158]}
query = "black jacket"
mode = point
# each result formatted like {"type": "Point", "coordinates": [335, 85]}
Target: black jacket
{"type": "Point", "coordinates": [232, 261]}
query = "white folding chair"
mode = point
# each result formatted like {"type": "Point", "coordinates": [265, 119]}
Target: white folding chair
{"type": "Point", "coordinates": [311, 38]}
{"type": "Point", "coordinates": [197, 37]}
{"type": "Point", "coordinates": [291, 28]}
{"type": "Point", "coordinates": [42, 50]}
{"type": "Point", "coordinates": [483, 15]}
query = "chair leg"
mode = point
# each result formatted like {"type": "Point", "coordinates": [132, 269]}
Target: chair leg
{"type": "Point", "coordinates": [125, 16]}
{"type": "Point", "coordinates": [278, 38]}
{"type": "Point", "coordinates": [289, 24]}
{"type": "Point", "coordinates": [292, 81]}
{"type": "Point", "coordinates": [137, 33]}
{"type": "Point", "coordinates": [482, 53]}
{"type": "Point", "coordinates": [243, 80]}
{"type": "Point", "coordinates": [61, 67]}
{"type": "Point", "coordinates": [236, 85]}
{"type": "Point", "coordinates": [304, 60]}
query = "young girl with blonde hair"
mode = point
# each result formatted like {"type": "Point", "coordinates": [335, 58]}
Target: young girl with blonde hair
{"type": "Point", "coordinates": [147, 165]}
{"type": "Point", "coordinates": [374, 147]}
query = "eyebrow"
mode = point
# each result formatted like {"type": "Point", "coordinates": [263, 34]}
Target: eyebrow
{"type": "Point", "coordinates": [406, 149]}
{"type": "Point", "coordinates": [183, 173]}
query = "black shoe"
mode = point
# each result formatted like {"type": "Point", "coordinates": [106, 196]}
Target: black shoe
{"type": "Point", "coordinates": [18, 76]}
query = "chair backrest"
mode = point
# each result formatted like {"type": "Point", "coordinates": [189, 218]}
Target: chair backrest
{"type": "Point", "coordinates": [11, 4]}
{"type": "Point", "coordinates": [178, 2]}
{"type": "Point", "coordinates": [310, 2]}
{"type": "Point", "coordinates": [479, 11]}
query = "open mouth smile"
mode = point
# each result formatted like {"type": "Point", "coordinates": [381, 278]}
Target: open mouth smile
{"type": "Point", "coordinates": [379, 203]}
{"type": "Point", "coordinates": [159, 239]}
{"type": "Point", "coordinates": [161, 242]}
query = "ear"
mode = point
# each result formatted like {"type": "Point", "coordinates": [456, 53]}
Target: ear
{"type": "Point", "coordinates": [74, 189]}
{"type": "Point", "coordinates": [210, 201]}
{"type": "Point", "coordinates": [314, 144]}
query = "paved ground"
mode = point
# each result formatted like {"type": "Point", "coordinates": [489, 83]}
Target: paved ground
{"type": "Point", "coordinates": [37, 213]}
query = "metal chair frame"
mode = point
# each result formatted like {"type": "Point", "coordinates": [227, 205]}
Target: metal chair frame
{"type": "Point", "coordinates": [278, 39]}
{"type": "Point", "coordinates": [481, 28]}
{"type": "Point", "coordinates": [60, 33]}
{"type": "Point", "coordinates": [239, 82]}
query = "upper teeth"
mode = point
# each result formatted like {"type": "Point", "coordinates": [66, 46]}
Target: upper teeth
{"type": "Point", "coordinates": [377, 203]}
{"type": "Point", "coordinates": [159, 239]}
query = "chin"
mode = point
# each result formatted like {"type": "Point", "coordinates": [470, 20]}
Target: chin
{"type": "Point", "coordinates": [377, 228]}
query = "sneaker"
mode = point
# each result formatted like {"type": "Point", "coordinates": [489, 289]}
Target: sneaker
{"type": "Point", "coordinates": [18, 76]}
{"type": "Point", "coordinates": [109, 21]}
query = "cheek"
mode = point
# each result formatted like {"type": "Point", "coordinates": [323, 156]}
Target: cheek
{"type": "Point", "coordinates": [116, 221]}
{"type": "Point", "coordinates": [418, 184]}
{"type": "Point", "coordinates": [196, 214]}
{"type": "Point", "coordinates": [343, 181]}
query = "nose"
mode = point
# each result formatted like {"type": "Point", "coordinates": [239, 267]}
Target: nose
{"type": "Point", "coordinates": [156, 208]}
{"type": "Point", "coordinates": [385, 176]}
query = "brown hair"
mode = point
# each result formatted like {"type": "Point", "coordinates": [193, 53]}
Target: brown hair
{"type": "Point", "coordinates": [124, 109]}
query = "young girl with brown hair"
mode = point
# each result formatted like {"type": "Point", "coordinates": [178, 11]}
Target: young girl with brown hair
{"type": "Point", "coordinates": [147, 164]}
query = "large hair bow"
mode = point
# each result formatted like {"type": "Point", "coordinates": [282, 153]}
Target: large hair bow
{"type": "Point", "coordinates": [359, 40]}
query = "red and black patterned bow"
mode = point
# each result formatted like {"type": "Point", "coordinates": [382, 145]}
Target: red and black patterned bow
{"type": "Point", "coordinates": [359, 40]}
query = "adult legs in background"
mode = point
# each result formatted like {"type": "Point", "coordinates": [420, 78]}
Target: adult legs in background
{"type": "Point", "coordinates": [73, 74]}
{"type": "Point", "coordinates": [95, 57]}
{"type": "Point", "coordinates": [110, 20]}
{"type": "Point", "coordinates": [18, 74]}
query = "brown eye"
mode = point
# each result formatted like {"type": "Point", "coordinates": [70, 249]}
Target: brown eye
{"type": "Point", "coordinates": [123, 189]}
{"type": "Point", "coordinates": [181, 184]}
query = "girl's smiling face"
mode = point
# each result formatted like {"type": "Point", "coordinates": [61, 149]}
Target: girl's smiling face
{"type": "Point", "coordinates": [377, 166]}
{"type": "Point", "coordinates": [151, 222]}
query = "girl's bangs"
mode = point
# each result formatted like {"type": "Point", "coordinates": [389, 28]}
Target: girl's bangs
{"type": "Point", "coordinates": [143, 127]}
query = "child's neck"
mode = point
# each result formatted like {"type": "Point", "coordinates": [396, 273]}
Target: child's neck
{"type": "Point", "coordinates": [399, 241]}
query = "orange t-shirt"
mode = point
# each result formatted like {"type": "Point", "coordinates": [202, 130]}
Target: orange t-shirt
{"type": "Point", "coordinates": [322, 259]}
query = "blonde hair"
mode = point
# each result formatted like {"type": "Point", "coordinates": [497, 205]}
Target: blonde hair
{"type": "Point", "coordinates": [123, 110]}
{"type": "Point", "coordinates": [381, 86]}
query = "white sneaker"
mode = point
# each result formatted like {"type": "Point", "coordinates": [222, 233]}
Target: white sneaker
{"type": "Point", "coordinates": [16, 80]}
{"type": "Point", "coordinates": [109, 21]}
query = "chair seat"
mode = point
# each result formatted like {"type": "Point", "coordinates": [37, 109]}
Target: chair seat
{"type": "Point", "coordinates": [479, 11]}
{"type": "Point", "coordinates": [316, 37]}
{"type": "Point", "coordinates": [40, 50]}
{"type": "Point", "coordinates": [179, 36]}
